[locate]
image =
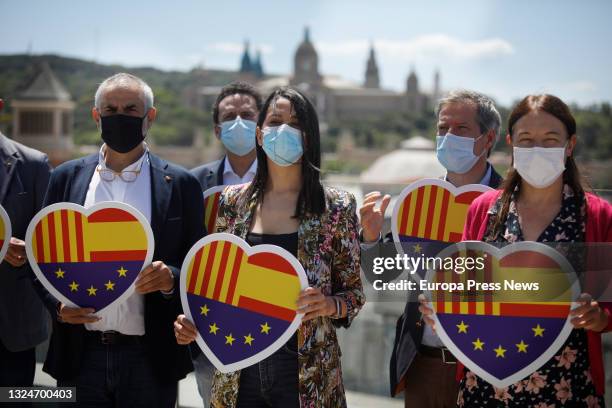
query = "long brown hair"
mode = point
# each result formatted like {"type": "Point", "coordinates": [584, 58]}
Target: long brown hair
{"type": "Point", "coordinates": [571, 175]}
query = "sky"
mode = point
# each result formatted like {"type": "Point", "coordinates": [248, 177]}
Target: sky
{"type": "Point", "coordinates": [504, 48]}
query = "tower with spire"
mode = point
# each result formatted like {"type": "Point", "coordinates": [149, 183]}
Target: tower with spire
{"type": "Point", "coordinates": [372, 79]}
{"type": "Point", "coordinates": [306, 64]}
{"type": "Point", "coordinates": [251, 69]}
{"type": "Point", "coordinates": [414, 99]}
{"type": "Point", "coordinates": [436, 92]}
{"type": "Point", "coordinates": [257, 67]}
{"type": "Point", "coordinates": [245, 62]}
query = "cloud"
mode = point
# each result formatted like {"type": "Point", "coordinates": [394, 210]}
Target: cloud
{"type": "Point", "coordinates": [581, 86]}
{"type": "Point", "coordinates": [236, 48]}
{"type": "Point", "coordinates": [424, 46]}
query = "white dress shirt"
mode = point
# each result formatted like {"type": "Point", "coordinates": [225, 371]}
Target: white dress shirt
{"type": "Point", "coordinates": [230, 176]}
{"type": "Point", "coordinates": [126, 317]}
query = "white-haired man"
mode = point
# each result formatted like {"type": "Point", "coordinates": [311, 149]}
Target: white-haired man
{"type": "Point", "coordinates": [127, 355]}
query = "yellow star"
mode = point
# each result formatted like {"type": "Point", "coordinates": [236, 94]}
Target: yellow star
{"type": "Point", "coordinates": [417, 248]}
{"type": "Point", "coordinates": [109, 285]}
{"type": "Point", "coordinates": [478, 344]}
{"type": "Point", "coordinates": [538, 331]}
{"type": "Point", "coordinates": [229, 339]}
{"type": "Point", "coordinates": [248, 339]}
{"type": "Point", "coordinates": [74, 286]}
{"type": "Point", "coordinates": [122, 272]}
{"type": "Point", "coordinates": [213, 328]}
{"type": "Point", "coordinates": [59, 273]}
{"type": "Point", "coordinates": [500, 351]}
{"type": "Point", "coordinates": [522, 347]}
{"type": "Point", "coordinates": [462, 327]}
{"type": "Point", "coordinates": [265, 328]}
{"type": "Point", "coordinates": [204, 310]}
{"type": "Point", "coordinates": [91, 291]}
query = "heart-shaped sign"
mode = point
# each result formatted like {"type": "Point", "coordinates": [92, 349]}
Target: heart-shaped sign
{"type": "Point", "coordinates": [89, 257]}
{"type": "Point", "coordinates": [5, 232]}
{"type": "Point", "coordinates": [428, 215]}
{"type": "Point", "coordinates": [505, 313]}
{"type": "Point", "coordinates": [433, 210]}
{"type": "Point", "coordinates": [242, 299]}
{"type": "Point", "coordinates": [211, 207]}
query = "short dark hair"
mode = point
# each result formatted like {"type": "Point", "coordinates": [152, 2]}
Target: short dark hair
{"type": "Point", "coordinates": [237, 87]}
{"type": "Point", "coordinates": [311, 199]}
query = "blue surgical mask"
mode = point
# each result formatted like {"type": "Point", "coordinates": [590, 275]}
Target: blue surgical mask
{"type": "Point", "coordinates": [238, 136]}
{"type": "Point", "coordinates": [283, 144]}
{"type": "Point", "coordinates": [456, 153]}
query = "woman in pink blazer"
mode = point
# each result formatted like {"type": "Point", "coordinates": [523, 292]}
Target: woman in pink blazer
{"type": "Point", "coordinates": [542, 199]}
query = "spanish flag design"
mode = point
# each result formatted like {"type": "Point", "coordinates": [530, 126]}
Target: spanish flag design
{"type": "Point", "coordinates": [509, 327]}
{"type": "Point", "coordinates": [90, 256]}
{"type": "Point", "coordinates": [242, 299]}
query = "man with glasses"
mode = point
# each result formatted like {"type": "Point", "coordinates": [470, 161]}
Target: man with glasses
{"type": "Point", "coordinates": [127, 355]}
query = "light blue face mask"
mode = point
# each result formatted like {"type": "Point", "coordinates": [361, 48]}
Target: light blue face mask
{"type": "Point", "coordinates": [238, 136]}
{"type": "Point", "coordinates": [283, 144]}
{"type": "Point", "coordinates": [456, 153]}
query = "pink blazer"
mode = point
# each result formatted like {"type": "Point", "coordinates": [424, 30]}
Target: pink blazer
{"type": "Point", "coordinates": [598, 229]}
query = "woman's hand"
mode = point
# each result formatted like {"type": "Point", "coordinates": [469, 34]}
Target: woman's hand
{"type": "Point", "coordinates": [184, 330]}
{"type": "Point", "coordinates": [427, 312]}
{"type": "Point", "coordinates": [314, 304]}
{"type": "Point", "coordinates": [589, 316]}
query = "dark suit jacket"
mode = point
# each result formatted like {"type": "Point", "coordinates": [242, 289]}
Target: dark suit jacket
{"type": "Point", "coordinates": [177, 223]}
{"type": "Point", "coordinates": [409, 327]}
{"type": "Point", "coordinates": [209, 174]}
{"type": "Point", "coordinates": [24, 174]}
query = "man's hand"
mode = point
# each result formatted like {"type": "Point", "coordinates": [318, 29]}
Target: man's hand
{"type": "Point", "coordinates": [154, 277]}
{"type": "Point", "coordinates": [426, 312]}
{"type": "Point", "coordinates": [184, 330]}
{"type": "Point", "coordinates": [76, 315]}
{"type": "Point", "coordinates": [313, 303]}
{"type": "Point", "coordinates": [372, 218]}
{"type": "Point", "coordinates": [16, 253]}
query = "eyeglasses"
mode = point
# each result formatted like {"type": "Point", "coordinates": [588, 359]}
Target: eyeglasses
{"type": "Point", "coordinates": [109, 175]}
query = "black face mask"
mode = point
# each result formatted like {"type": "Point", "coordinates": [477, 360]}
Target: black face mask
{"type": "Point", "coordinates": [122, 133]}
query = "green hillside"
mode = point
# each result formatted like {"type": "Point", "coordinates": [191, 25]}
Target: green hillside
{"type": "Point", "coordinates": [176, 118]}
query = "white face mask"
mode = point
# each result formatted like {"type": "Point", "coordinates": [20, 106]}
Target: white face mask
{"type": "Point", "coordinates": [539, 166]}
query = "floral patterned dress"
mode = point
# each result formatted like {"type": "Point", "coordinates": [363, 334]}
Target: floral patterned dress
{"type": "Point", "coordinates": [565, 380]}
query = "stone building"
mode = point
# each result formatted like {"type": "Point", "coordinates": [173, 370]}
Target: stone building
{"type": "Point", "coordinates": [334, 97]}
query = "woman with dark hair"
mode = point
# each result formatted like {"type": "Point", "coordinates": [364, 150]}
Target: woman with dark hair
{"type": "Point", "coordinates": [286, 205]}
{"type": "Point", "coordinates": [542, 199]}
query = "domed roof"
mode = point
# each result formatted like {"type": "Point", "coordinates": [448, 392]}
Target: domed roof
{"type": "Point", "coordinates": [306, 48]}
{"type": "Point", "coordinates": [415, 160]}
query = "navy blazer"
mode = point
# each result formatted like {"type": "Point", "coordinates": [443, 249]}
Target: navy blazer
{"type": "Point", "coordinates": [409, 327]}
{"type": "Point", "coordinates": [177, 223]}
{"type": "Point", "coordinates": [24, 174]}
{"type": "Point", "coordinates": [210, 174]}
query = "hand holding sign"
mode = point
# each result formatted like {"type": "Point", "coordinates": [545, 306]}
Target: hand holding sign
{"type": "Point", "coordinates": [241, 299]}
{"type": "Point", "coordinates": [509, 317]}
